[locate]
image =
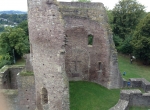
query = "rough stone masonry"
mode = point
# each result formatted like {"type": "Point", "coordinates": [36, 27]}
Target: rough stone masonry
{"type": "Point", "coordinates": [69, 41]}
{"type": "Point", "coordinates": [46, 37]}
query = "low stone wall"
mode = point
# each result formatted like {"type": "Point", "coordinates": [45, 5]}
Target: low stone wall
{"type": "Point", "coordinates": [135, 97]}
{"type": "Point", "coordinates": [121, 105]}
{"type": "Point", "coordinates": [132, 98]}
{"type": "Point", "coordinates": [140, 100]}
{"type": "Point", "coordinates": [18, 89]}
{"type": "Point", "coordinates": [8, 76]}
{"type": "Point", "coordinates": [140, 83]}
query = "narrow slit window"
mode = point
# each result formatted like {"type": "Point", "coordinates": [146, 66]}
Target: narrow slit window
{"type": "Point", "coordinates": [99, 65]}
{"type": "Point", "coordinates": [90, 39]}
{"type": "Point", "coordinates": [44, 96]}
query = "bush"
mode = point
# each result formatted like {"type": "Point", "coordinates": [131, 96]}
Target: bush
{"type": "Point", "coordinates": [4, 62]}
{"type": "Point", "coordinates": [117, 40]}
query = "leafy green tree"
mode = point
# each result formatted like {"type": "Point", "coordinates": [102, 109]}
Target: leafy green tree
{"type": "Point", "coordinates": [24, 26]}
{"type": "Point", "coordinates": [12, 18]}
{"type": "Point", "coordinates": [110, 17]}
{"type": "Point", "coordinates": [125, 47]}
{"type": "Point", "coordinates": [1, 28]}
{"type": "Point", "coordinates": [141, 40]}
{"type": "Point", "coordinates": [13, 43]}
{"type": "Point", "coordinates": [126, 15]}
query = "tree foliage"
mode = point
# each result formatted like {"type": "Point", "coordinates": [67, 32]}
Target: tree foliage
{"type": "Point", "coordinates": [141, 40]}
{"type": "Point", "coordinates": [126, 15]}
{"type": "Point", "coordinates": [110, 17]}
{"type": "Point", "coordinates": [24, 26]}
{"type": "Point", "coordinates": [17, 18]}
{"type": "Point", "coordinates": [13, 43]}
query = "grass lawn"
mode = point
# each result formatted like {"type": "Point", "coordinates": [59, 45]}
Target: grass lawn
{"type": "Point", "coordinates": [20, 62]}
{"type": "Point", "coordinates": [91, 96]}
{"type": "Point", "coordinates": [134, 70]}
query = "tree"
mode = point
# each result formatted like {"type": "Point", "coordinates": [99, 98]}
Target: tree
{"type": "Point", "coordinates": [110, 17]}
{"type": "Point", "coordinates": [24, 26]}
{"type": "Point", "coordinates": [126, 15]}
{"type": "Point", "coordinates": [141, 40]}
{"type": "Point", "coordinates": [13, 43]}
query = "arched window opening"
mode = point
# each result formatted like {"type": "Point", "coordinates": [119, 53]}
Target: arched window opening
{"type": "Point", "coordinates": [44, 96]}
{"type": "Point", "coordinates": [90, 39]}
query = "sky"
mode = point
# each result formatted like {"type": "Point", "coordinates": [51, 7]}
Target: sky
{"type": "Point", "coordinates": [21, 5]}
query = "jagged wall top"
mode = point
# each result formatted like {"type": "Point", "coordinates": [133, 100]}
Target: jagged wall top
{"type": "Point", "coordinates": [91, 11]}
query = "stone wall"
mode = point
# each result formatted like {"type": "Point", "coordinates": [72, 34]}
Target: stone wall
{"type": "Point", "coordinates": [121, 105]}
{"type": "Point", "coordinates": [28, 65]}
{"type": "Point", "coordinates": [14, 72]}
{"type": "Point", "coordinates": [46, 33]}
{"type": "Point", "coordinates": [96, 62]}
{"type": "Point", "coordinates": [136, 97]}
{"type": "Point", "coordinates": [140, 100]}
{"type": "Point", "coordinates": [9, 75]}
{"type": "Point", "coordinates": [59, 44]}
{"type": "Point", "coordinates": [19, 90]}
{"type": "Point", "coordinates": [140, 83]}
{"type": "Point", "coordinates": [132, 97]}
{"type": "Point", "coordinates": [26, 94]}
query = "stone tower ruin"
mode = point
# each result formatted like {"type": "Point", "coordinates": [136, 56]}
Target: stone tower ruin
{"type": "Point", "coordinates": [69, 41]}
{"type": "Point", "coordinates": [47, 51]}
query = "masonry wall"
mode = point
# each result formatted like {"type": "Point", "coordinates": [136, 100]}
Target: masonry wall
{"type": "Point", "coordinates": [97, 62]}
{"type": "Point", "coordinates": [140, 100]}
{"type": "Point", "coordinates": [9, 76]}
{"type": "Point", "coordinates": [13, 75]}
{"type": "Point", "coordinates": [26, 94]}
{"type": "Point", "coordinates": [28, 65]}
{"type": "Point", "coordinates": [46, 36]}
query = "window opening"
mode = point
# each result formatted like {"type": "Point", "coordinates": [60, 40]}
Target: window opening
{"type": "Point", "coordinates": [90, 39]}
{"type": "Point", "coordinates": [99, 65]}
{"type": "Point", "coordinates": [65, 40]}
{"type": "Point", "coordinates": [44, 96]}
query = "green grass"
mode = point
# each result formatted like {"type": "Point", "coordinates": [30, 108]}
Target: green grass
{"type": "Point", "coordinates": [134, 70]}
{"type": "Point", "coordinates": [91, 96]}
{"type": "Point", "coordinates": [26, 73]}
{"type": "Point", "coordinates": [139, 108]}
{"type": "Point", "coordinates": [20, 62]}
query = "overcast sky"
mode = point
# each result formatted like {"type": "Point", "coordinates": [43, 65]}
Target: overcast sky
{"type": "Point", "coordinates": [22, 4]}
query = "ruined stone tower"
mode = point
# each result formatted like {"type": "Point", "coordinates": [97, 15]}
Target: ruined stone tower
{"type": "Point", "coordinates": [46, 37]}
{"type": "Point", "coordinates": [69, 41]}
{"type": "Point", "coordinates": [90, 51]}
